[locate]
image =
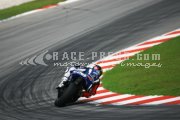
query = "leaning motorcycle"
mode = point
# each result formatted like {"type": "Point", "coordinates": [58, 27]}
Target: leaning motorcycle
{"type": "Point", "coordinates": [72, 90]}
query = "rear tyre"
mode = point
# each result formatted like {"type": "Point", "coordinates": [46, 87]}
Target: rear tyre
{"type": "Point", "coordinates": [69, 95]}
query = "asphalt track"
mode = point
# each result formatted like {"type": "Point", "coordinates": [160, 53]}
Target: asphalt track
{"type": "Point", "coordinates": [28, 92]}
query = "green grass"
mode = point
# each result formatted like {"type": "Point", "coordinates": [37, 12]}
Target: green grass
{"type": "Point", "coordinates": [164, 80]}
{"type": "Point", "coordinates": [12, 11]}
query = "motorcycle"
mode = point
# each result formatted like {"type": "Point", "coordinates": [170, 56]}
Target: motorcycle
{"type": "Point", "coordinates": [72, 89]}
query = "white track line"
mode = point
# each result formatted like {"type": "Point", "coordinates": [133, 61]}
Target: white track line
{"type": "Point", "coordinates": [162, 101]}
{"type": "Point", "coordinates": [111, 98]}
{"type": "Point", "coordinates": [134, 100]}
{"type": "Point", "coordinates": [38, 10]}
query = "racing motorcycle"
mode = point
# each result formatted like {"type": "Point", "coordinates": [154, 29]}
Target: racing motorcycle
{"type": "Point", "coordinates": [72, 89]}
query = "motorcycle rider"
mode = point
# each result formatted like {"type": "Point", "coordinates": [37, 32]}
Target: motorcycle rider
{"type": "Point", "coordinates": [93, 75]}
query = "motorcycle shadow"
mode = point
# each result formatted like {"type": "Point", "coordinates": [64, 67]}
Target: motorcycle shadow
{"type": "Point", "coordinates": [79, 102]}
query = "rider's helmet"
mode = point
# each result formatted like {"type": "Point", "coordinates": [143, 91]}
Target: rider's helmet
{"type": "Point", "coordinates": [98, 69]}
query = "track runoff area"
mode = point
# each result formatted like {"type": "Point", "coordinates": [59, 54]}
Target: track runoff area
{"type": "Point", "coordinates": [104, 96]}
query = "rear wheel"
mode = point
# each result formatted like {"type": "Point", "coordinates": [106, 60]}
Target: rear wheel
{"type": "Point", "coordinates": [70, 94]}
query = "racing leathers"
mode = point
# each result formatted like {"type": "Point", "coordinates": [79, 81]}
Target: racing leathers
{"type": "Point", "coordinates": [92, 77]}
